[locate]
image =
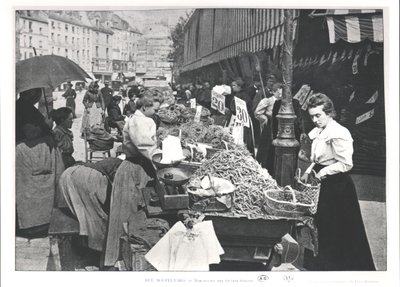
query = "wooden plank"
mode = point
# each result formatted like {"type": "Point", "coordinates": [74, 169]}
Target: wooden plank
{"type": "Point", "coordinates": [63, 222]}
{"type": "Point", "coordinates": [248, 23]}
{"type": "Point", "coordinates": [55, 253]}
{"type": "Point", "coordinates": [256, 21]}
{"type": "Point", "coordinates": [242, 24]}
{"type": "Point", "coordinates": [226, 32]}
{"type": "Point", "coordinates": [262, 22]}
{"type": "Point", "coordinates": [236, 25]}
{"type": "Point", "coordinates": [253, 22]}
{"type": "Point", "coordinates": [239, 25]}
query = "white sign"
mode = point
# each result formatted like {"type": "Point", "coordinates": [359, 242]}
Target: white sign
{"type": "Point", "coordinates": [373, 98]}
{"type": "Point", "coordinates": [218, 102]}
{"type": "Point", "coordinates": [198, 114]}
{"type": "Point", "coordinates": [236, 130]}
{"type": "Point", "coordinates": [242, 116]}
{"type": "Point", "coordinates": [302, 94]}
{"type": "Point", "coordinates": [193, 103]}
{"type": "Point", "coordinates": [365, 116]}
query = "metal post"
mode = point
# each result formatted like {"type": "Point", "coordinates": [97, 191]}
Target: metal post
{"type": "Point", "coordinates": [286, 144]}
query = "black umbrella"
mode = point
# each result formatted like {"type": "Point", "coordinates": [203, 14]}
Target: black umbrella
{"type": "Point", "coordinates": [47, 71]}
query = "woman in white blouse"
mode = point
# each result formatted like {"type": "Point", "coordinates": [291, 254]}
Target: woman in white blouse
{"type": "Point", "coordinates": [342, 241]}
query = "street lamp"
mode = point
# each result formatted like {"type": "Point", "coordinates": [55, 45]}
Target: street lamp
{"type": "Point", "coordinates": [286, 144]}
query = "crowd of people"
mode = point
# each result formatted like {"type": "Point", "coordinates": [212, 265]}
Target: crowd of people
{"type": "Point", "coordinates": [103, 195]}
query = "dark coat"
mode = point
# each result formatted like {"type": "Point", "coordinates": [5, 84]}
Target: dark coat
{"type": "Point", "coordinates": [26, 113]}
{"type": "Point", "coordinates": [130, 108]}
{"type": "Point", "coordinates": [107, 94]}
{"type": "Point", "coordinates": [266, 151]}
{"type": "Point", "coordinates": [114, 113]}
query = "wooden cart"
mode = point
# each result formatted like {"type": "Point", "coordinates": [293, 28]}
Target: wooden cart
{"type": "Point", "coordinates": [248, 243]}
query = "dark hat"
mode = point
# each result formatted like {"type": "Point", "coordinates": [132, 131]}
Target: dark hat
{"type": "Point", "coordinates": [116, 98]}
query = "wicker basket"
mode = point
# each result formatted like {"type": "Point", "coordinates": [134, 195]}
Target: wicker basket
{"type": "Point", "coordinates": [274, 206]}
{"type": "Point", "coordinates": [310, 191]}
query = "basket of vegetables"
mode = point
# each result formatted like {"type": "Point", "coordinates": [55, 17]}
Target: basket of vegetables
{"type": "Point", "coordinates": [287, 202]}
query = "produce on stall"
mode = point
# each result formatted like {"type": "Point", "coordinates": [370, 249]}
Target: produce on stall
{"type": "Point", "coordinates": [249, 178]}
{"type": "Point", "coordinates": [178, 113]}
{"type": "Point", "coordinates": [192, 133]}
{"type": "Point", "coordinates": [255, 187]}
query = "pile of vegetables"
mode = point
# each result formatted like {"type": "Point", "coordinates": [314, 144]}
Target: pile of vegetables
{"type": "Point", "coordinates": [173, 114]}
{"type": "Point", "coordinates": [287, 196]}
{"type": "Point", "coordinates": [249, 178]}
{"type": "Point", "coordinates": [192, 133]}
{"type": "Point", "coordinates": [176, 114]}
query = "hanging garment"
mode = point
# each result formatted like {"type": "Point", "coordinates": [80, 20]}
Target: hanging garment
{"type": "Point", "coordinates": [37, 170]}
{"type": "Point", "coordinates": [85, 191]}
{"type": "Point", "coordinates": [186, 250]}
{"type": "Point", "coordinates": [126, 199]}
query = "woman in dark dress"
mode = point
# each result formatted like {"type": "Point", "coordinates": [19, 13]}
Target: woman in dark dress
{"type": "Point", "coordinates": [70, 96]}
{"type": "Point", "coordinates": [63, 136]}
{"type": "Point", "coordinates": [342, 241]}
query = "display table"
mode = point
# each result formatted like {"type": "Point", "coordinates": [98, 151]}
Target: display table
{"type": "Point", "coordinates": [243, 240]}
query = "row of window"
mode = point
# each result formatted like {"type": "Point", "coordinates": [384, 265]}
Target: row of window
{"type": "Point", "coordinates": [30, 27]}
{"type": "Point", "coordinates": [66, 28]}
{"type": "Point", "coordinates": [74, 54]}
{"type": "Point", "coordinates": [84, 40]}
{"type": "Point", "coordinates": [29, 43]}
{"type": "Point", "coordinates": [107, 52]}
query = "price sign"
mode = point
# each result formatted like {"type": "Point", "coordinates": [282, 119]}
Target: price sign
{"type": "Point", "coordinates": [242, 116]}
{"type": "Point", "coordinates": [218, 102]}
{"type": "Point", "coordinates": [193, 103]}
{"type": "Point", "coordinates": [198, 114]}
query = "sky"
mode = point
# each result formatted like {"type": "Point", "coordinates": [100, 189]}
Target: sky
{"type": "Point", "coordinates": [141, 18]}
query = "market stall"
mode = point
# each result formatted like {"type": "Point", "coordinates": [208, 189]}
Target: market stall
{"type": "Point", "coordinates": [213, 178]}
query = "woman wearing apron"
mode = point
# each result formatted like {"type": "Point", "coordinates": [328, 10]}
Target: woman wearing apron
{"type": "Point", "coordinates": [94, 108]}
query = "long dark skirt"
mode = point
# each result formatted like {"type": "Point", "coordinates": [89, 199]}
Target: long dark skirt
{"type": "Point", "coordinates": [343, 243]}
{"type": "Point", "coordinates": [70, 103]}
{"type": "Point", "coordinates": [266, 151]}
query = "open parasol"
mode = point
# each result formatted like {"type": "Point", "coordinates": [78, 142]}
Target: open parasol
{"type": "Point", "coordinates": [47, 71]}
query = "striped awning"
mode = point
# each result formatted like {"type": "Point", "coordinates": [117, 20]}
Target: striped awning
{"type": "Point", "coordinates": [354, 26]}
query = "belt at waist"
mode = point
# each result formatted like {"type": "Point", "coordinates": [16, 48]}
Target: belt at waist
{"type": "Point", "coordinates": [317, 167]}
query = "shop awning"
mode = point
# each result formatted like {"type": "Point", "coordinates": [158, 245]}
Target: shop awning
{"type": "Point", "coordinates": [213, 35]}
{"type": "Point", "coordinates": [354, 25]}
{"type": "Point", "coordinates": [91, 75]}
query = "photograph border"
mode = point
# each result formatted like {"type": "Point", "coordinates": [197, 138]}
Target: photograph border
{"type": "Point", "coordinates": [7, 90]}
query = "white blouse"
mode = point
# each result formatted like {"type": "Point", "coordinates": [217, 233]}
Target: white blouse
{"type": "Point", "coordinates": [332, 147]}
{"type": "Point", "coordinates": [264, 109]}
{"type": "Point", "coordinates": [140, 131]}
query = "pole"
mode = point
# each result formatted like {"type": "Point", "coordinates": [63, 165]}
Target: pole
{"type": "Point", "coordinates": [286, 144]}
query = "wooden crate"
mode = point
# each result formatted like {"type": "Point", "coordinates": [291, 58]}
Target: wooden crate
{"type": "Point", "coordinates": [171, 201]}
{"type": "Point", "coordinates": [133, 256]}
